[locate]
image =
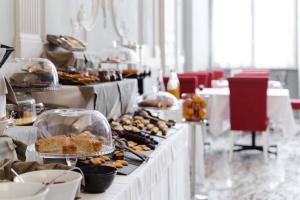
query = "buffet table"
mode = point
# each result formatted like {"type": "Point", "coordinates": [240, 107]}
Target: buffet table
{"type": "Point", "coordinates": [116, 95]}
{"type": "Point", "coordinates": [165, 176]}
{"type": "Point", "coordinates": [279, 109]}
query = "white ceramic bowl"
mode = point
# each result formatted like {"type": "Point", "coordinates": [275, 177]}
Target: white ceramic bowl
{"type": "Point", "coordinates": [22, 191]}
{"type": "Point", "coordinates": [65, 191]}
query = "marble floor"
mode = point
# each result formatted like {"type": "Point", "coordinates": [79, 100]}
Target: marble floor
{"type": "Point", "coordinates": [248, 177]}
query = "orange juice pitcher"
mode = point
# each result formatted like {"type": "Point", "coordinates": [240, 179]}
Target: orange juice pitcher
{"type": "Point", "coordinates": [173, 85]}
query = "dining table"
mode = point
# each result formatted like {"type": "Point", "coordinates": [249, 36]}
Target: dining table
{"type": "Point", "coordinates": [279, 109]}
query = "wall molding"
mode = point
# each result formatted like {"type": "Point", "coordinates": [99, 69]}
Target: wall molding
{"type": "Point", "coordinates": [28, 42]}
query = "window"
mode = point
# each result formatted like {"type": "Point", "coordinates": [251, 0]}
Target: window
{"type": "Point", "coordinates": [254, 33]}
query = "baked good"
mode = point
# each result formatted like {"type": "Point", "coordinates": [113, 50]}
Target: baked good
{"type": "Point", "coordinates": [118, 155]}
{"type": "Point", "coordinates": [155, 103]}
{"type": "Point", "coordinates": [86, 143]}
{"type": "Point", "coordinates": [51, 144]}
{"type": "Point", "coordinates": [82, 143]}
{"type": "Point", "coordinates": [69, 149]}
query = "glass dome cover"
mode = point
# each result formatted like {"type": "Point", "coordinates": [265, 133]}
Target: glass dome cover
{"type": "Point", "coordinates": [32, 74]}
{"type": "Point", "coordinates": [73, 133]}
{"type": "Point", "coordinates": [160, 99]}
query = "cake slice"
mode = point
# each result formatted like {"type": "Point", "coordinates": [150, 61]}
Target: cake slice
{"type": "Point", "coordinates": [86, 143]}
{"type": "Point", "coordinates": [51, 144]}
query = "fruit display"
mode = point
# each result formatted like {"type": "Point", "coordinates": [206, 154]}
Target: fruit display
{"type": "Point", "coordinates": [194, 108]}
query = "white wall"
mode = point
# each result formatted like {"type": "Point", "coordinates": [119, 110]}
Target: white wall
{"type": "Point", "coordinates": [7, 18]}
{"type": "Point", "coordinates": [59, 21]}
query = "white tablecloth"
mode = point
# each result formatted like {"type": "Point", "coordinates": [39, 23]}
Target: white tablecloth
{"type": "Point", "coordinates": [165, 176]}
{"type": "Point", "coordinates": [224, 84]}
{"type": "Point", "coordinates": [279, 109]}
{"type": "Point", "coordinates": [197, 132]}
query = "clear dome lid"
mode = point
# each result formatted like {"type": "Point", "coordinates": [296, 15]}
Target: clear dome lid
{"type": "Point", "coordinates": [160, 99]}
{"type": "Point", "coordinates": [31, 74]}
{"type": "Point", "coordinates": [73, 132]}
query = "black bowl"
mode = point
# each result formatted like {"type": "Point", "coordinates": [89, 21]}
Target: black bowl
{"type": "Point", "coordinates": [98, 178]}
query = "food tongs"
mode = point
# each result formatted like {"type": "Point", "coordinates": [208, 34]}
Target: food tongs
{"type": "Point", "coordinates": [122, 144]}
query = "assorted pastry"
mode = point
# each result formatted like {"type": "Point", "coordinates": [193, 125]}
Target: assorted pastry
{"type": "Point", "coordinates": [117, 160]}
{"type": "Point", "coordinates": [75, 77]}
{"type": "Point", "coordinates": [155, 103]}
{"type": "Point", "coordinates": [138, 129]}
{"type": "Point", "coordinates": [84, 142]}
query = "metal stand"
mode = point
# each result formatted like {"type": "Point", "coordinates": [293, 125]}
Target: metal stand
{"type": "Point", "coordinates": [253, 146]}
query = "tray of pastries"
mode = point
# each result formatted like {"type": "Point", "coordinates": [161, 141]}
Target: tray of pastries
{"type": "Point", "coordinates": [73, 77]}
{"type": "Point", "coordinates": [67, 42]}
{"type": "Point", "coordinates": [141, 130]}
{"type": "Point", "coordinates": [124, 162]}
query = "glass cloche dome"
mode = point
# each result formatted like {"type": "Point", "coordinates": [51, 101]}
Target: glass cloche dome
{"type": "Point", "coordinates": [73, 132]}
{"type": "Point", "coordinates": [160, 99]}
{"type": "Point", "coordinates": [31, 74]}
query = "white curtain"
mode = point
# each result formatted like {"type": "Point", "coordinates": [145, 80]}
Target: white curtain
{"type": "Point", "coordinates": [253, 33]}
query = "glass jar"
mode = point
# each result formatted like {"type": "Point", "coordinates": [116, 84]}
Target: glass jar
{"type": "Point", "coordinates": [193, 108]}
{"type": "Point", "coordinates": [25, 111]}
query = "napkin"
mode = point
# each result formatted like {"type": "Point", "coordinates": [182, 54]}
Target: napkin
{"type": "Point", "coordinates": [22, 167]}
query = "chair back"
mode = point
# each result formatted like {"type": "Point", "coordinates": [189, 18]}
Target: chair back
{"type": "Point", "coordinates": [217, 74]}
{"type": "Point", "coordinates": [201, 76]}
{"type": "Point", "coordinates": [248, 103]}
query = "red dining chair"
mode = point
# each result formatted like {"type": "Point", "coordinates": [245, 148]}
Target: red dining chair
{"type": "Point", "coordinates": [295, 103]}
{"type": "Point", "coordinates": [202, 77]}
{"type": "Point", "coordinates": [188, 84]}
{"type": "Point", "coordinates": [248, 111]}
{"type": "Point", "coordinates": [217, 74]}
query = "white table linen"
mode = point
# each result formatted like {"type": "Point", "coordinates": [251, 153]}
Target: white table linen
{"type": "Point", "coordinates": [165, 176]}
{"type": "Point", "coordinates": [279, 109]}
{"type": "Point", "coordinates": [224, 84]}
{"type": "Point", "coordinates": [197, 132]}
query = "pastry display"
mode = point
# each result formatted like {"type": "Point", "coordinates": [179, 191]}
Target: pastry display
{"type": "Point", "coordinates": [82, 143]}
{"type": "Point", "coordinates": [138, 129]}
{"type": "Point", "coordinates": [155, 103]}
{"type": "Point", "coordinates": [194, 108]}
{"type": "Point", "coordinates": [66, 42]}
{"type": "Point", "coordinates": [34, 73]}
{"type": "Point", "coordinates": [77, 132]}
{"type": "Point", "coordinates": [161, 100]}
{"type": "Point", "coordinates": [114, 60]}
{"type": "Point", "coordinates": [73, 77]}
{"type": "Point", "coordinates": [76, 77]}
